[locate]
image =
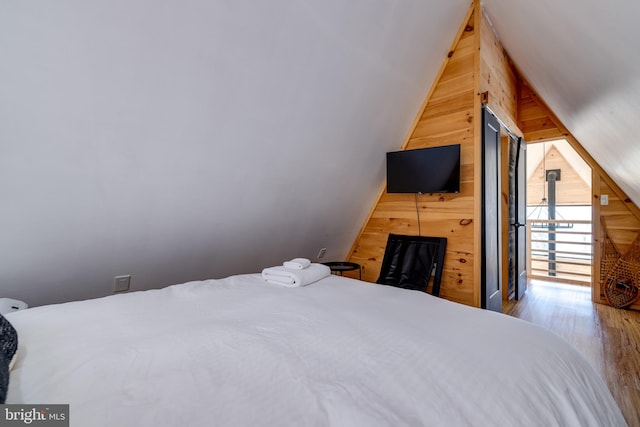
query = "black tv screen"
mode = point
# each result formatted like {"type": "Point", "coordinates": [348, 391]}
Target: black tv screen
{"type": "Point", "coordinates": [425, 170]}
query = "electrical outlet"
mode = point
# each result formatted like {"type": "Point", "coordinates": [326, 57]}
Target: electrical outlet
{"type": "Point", "coordinates": [604, 199]}
{"type": "Point", "coordinates": [121, 283]}
{"type": "Point", "coordinates": [322, 252]}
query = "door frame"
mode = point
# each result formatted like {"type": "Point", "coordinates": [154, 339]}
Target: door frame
{"type": "Point", "coordinates": [521, 219]}
{"type": "Point", "coordinates": [494, 223]}
{"type": "Point", "coordinates": [491, 238]}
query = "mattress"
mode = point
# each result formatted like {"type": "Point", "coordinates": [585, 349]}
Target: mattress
{"type": "Point", "coordinates": [339, 352]}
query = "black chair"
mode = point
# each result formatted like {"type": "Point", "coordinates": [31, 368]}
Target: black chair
{"type": "Point", "coordinates": [409, 262]}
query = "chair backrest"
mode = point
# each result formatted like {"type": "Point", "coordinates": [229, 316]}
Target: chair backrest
{"type": "Point", "coordinates": [409, 262]}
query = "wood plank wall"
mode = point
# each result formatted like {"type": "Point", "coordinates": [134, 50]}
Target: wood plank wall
{"type": "Point", "coordinates": [570, 190]}
{"type": "Point", "coordinates": [621, 216]}
{"type": "Point", "coordinates": [448, 117]}
{"type": "Point", "coordinates": [498, 78]}
{"type": "Point", "coordinates": [477, 64]}
{"type": "Point", "coordinates": [499, 86]}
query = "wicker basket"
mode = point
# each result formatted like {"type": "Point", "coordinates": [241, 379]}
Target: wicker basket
{"type": "Point", "coordinates": [609, 256]}
{"type": "Point", "coordinates": [623, 279]}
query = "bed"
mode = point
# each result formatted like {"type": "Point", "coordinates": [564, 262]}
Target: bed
{"type": "Point", "coordinates": [339, 352]}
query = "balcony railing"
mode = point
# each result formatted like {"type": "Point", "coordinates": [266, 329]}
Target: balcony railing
{"type": "Point", "coordinates": [560, 250]}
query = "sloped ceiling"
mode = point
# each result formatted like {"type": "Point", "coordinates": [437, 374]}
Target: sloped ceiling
{"type": "Point", "coordinates": [583, 59]}
{"type": "Point", "coordinates": [178, 140]}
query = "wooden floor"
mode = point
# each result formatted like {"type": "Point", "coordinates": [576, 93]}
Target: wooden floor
{"type": "Point", "coordinates": [609, 338]}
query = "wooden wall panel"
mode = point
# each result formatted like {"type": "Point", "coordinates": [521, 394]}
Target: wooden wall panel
{"type": "Point", "coordinates": [451, 115]}
{"type": "Point", "coordinates": [570, 190]}
{"type": "Point", "coordinates": [498, 81]}
{"type": "Point", "coordinates": [447, 118]}
{"type": "Point", "coordinates": [533, 118]}
{"type": "Point", "coordinates": [498, 78]}
{"type": "Point", "coordinates": [477, 63]}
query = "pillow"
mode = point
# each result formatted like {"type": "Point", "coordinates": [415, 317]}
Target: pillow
{"type": "Point", "coordinates": [8, 347]}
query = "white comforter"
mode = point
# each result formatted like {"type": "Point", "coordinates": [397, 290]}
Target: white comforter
{"type": "Point", "coordinates": [339, 352]}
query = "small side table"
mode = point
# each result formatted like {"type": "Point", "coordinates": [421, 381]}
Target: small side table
{"type": "Point", "coordinates": [339, 267]}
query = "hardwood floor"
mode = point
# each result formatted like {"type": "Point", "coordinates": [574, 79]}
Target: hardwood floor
{"type": "Point", "coordinates": [609, 338]}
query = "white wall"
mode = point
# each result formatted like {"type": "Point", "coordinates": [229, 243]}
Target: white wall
{"type": "Point", "coordinates": [179, 140]}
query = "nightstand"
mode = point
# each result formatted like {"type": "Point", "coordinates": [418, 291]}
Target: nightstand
{"type": "Point", "coordinates": [339, 267]}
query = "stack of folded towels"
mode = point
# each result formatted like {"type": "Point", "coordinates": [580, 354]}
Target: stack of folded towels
{"type": "Point", "coordinates": [295, 273]}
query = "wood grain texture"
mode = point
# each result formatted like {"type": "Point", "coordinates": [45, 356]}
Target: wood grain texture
{"type": "Point", "coordinates": [477, 63]}
{"type": "Point", "coordinates": [607, 337]}
{"type": "Point", "coordinates": [498, 80]}
{"type": "Point", "coordinates": [451, 115]}
{"type": "Point", "coordinates": [447, 118]}
{"type": "Point", "coordinates": [571, 189]}
{"type": "Point", "coordinates": [478, 208]}
{"type": "Point", "coordinates": [498, 77]}
{"type": "Point", "coordinates": [426, 140]}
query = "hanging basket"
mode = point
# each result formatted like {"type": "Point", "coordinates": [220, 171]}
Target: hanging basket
{"type": "Point", "coordinates": [609, 255]}
{"type": "Point", "coordinates": [623, 280]}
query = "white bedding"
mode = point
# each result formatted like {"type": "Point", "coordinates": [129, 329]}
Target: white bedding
{"type": "Point", "coordinates": [339, 352]}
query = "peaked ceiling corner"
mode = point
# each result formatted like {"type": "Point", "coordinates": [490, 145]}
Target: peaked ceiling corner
{"type": "Point", "coordinates": [582, 59]}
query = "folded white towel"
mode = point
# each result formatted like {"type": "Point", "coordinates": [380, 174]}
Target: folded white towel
{"type": "Point", "coordinates": [283, 276]}
{"type": "Point", "coordinates": [297, 263]}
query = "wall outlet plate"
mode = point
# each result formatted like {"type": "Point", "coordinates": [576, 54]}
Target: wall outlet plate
{"type": "Point", "coordinates": [604, 199]}
{"type": "Point", "coordinates": [121, 283]}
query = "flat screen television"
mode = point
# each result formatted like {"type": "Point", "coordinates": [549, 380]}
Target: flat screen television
{"type": "Point", "coordinates": [425, 170]}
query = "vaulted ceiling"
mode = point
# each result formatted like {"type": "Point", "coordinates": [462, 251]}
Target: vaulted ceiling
{"type": "Point", "coordinates": [582, 58]}
{"type": "Point", "coordinates": [180, 140]}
